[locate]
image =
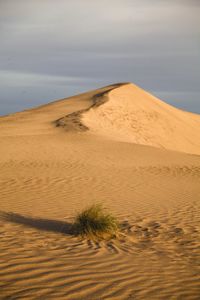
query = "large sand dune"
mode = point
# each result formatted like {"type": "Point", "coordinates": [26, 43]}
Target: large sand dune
{"type": "Point", "coordinates": [128, 113]}
{"type": "Point", "coordinates": [112, 146]}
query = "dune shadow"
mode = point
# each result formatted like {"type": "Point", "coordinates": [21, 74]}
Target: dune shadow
{"type": "Point", "coordinates": [39, 223]}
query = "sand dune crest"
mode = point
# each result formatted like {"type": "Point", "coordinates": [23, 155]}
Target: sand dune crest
{"type": "Point", "coordinates": [130, 114]}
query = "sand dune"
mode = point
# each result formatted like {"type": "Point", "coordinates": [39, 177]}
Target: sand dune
{"type": "Point", "coordinates": [127, 113]}
{"type": "Point", "coordinates": [112, 146]}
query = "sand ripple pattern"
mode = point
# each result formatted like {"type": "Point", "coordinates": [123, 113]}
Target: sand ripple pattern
{"type": "Point", "coordinates": [55, 265]}
{"type": "Point", "coordinates": [155, 196]}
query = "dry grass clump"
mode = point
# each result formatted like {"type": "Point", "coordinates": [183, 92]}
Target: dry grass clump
{"type": "Point", "coordinates": [95, 222]}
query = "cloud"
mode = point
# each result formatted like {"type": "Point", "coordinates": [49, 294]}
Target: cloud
{"type": "Point", "coordinates": [154, 43]}
{"type": "Point", "coordinates": [17, 79]}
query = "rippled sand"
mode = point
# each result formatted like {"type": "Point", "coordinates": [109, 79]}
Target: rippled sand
{"type": "Point", "coordinates": [58, 158]}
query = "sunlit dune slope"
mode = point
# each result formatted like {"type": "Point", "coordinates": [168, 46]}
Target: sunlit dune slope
{"type": "Point", "coordinates": [130, 114]}
{"type": "Point", "coordinates": [122, 112]}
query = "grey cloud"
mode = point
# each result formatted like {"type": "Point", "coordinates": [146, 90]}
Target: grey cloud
{"type": "Point", "coordinates": [153, 43]}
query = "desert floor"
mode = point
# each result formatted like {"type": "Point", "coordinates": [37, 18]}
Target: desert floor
{"type": "Point", "coordinates": [49, 173]}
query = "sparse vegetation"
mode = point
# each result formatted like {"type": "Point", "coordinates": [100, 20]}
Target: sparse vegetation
{"type": "Point", "coordinates": [95, 222]}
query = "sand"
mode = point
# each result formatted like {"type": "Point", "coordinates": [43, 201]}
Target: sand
{"type": "Point", "coordinates": [119, 146]}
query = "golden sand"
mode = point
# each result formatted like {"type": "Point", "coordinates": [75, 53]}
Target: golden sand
{"type": "Point", "coordinates": [122, 147]}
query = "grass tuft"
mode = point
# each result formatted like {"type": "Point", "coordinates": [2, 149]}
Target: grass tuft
{"type": "Point", "coordinates": [95, 222]}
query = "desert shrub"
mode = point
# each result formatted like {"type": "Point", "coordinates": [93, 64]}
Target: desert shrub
{"type": "Point", "coordinates": [96, 222]}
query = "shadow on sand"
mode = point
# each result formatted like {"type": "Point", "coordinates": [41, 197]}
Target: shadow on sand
{"type": "Point", "coordinates": [39, 223]}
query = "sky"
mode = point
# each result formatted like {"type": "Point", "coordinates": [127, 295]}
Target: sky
{"type": "Point", "coordinates": [54, 49]}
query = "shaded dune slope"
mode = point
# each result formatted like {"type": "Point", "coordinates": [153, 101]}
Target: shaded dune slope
{"type": "Point", "coordinates": [74, 121]}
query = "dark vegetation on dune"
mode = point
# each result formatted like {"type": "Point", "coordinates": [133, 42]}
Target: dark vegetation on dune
{"type": "Point", "coordinates": [93, 222]}
{"type": "Point", "coordinates": [96, 222]}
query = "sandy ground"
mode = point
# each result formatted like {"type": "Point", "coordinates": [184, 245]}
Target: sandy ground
{"type": "Point", "coordinates": [61, 157]}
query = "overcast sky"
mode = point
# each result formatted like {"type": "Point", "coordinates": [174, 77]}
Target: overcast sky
{"type": "Point", "coordinates": [53, 49]}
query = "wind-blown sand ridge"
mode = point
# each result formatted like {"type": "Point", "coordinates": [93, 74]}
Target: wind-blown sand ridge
{"type": "Point", "coordinates": [127, 113]}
